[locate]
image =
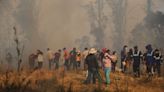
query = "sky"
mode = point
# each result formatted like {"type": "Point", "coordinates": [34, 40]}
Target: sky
{"type": "Point", "coordinates": [62, 23]}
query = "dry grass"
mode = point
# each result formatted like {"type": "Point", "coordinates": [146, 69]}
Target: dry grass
{"type": "Point", "coordinates": [53, 81]}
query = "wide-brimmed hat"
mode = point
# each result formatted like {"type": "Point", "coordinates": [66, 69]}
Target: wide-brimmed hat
{"type": "Point", "coordinates": [92, 51]}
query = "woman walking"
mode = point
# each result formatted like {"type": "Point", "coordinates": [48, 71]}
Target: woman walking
{"type": "Point", "coordinates": [107, 60]}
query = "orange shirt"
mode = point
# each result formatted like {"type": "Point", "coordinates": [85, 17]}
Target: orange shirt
{"type": "Point", "coordinates": [66, 55]}
{"type": "Point", "coordinates": [78, 57]}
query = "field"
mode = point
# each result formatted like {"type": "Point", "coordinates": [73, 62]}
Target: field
{"type": "Point", "coordinates": [72, 81]}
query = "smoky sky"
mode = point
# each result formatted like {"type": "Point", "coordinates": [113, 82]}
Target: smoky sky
{"type": "Point", "coordinates": [61, 23]}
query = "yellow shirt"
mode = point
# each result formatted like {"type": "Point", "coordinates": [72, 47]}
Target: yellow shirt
{"type": "Point", "coordinates": [50, 55]}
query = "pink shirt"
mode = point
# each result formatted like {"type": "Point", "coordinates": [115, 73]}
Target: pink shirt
{"type": "Point", "coordinates": [107, 60]}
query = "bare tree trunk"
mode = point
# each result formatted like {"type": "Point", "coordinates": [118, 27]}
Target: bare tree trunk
{"type": "Point", "coordinates": [119, 20]}
{"type": "Point", "coordinates": [18, 49]}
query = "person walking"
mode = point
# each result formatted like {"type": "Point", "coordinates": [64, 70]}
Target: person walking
{"type": "Point", "coordinates": [107, 60]}
{"type": "Point", "coordinates": [66, 58]}
{"type": "Point", "coordinates": [124, 54]}
{"type": "Point", "coordinates": [57, 59]}
{"type": "Point", "coordinates": [137, 56]}
{"type": "Point", "coordinates": [40, 59]}
{"type": "Point", "coordinates": [92, 66]}
{"type": "Point", "coordinates": [50, 57]}
{"type": "Point", "coordinates": [78, 60]}
{"type": "Point", "coordinates": [32, 59]}
{"type": "Point", "coordinates": [158, 59]}
{"type": "Point", "coordinates": [73, 54]}
{"type": "Point", "coordinates": [149, 59]}
{"type": "Point", "coordinates": [114, 62]}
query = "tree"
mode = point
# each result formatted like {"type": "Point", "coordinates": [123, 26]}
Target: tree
{"type": "Point", "coordinates": [19, 49]}
{"type": "Point", "coordinates": [119, 20]}
{"type": "Point", "coordinates": [98, 21]}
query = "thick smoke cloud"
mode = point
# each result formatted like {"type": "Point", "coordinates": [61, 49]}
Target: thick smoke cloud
{"type": "Point", "coordinates": [151, 28]}
{"type": "Point", "coordinates": [74, 23]}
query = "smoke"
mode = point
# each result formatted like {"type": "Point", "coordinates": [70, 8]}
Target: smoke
{"type": "Point", "coordinates": [151, 28]}
{"type": "Point", "coordinates": [119, 22]}
{"type": "Point", "coordinates": [63, 22]}
{"type": "Point", "coordinates": [21, 14]}
{"type": "Point", "coordinates": [6, 25]}
{"type": "Point", "coordinates": [83, 42]}
{"type": "Point", "coordinates": [158, 5]}
{"type": "Point", "coordinates": [66, 23]}
{"type": "Point", "coordinates": [99, 19]}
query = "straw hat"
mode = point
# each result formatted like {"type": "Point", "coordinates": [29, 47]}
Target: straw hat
{"type": "Point", "coordinates": [92, 51]}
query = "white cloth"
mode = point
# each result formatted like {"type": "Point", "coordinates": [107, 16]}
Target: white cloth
{"type": "Point", "coordinates": [40, 58]}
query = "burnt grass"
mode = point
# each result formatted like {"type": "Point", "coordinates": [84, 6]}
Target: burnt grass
{"type": "Point", "coordinates": [72, 81]}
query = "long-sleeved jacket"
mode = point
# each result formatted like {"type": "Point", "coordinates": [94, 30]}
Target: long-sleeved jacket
{"type": "Point", "coordinates": [91, 61]}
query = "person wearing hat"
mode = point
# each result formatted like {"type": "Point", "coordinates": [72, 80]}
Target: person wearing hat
{"type": "Point", "coordinates": [92, 65]}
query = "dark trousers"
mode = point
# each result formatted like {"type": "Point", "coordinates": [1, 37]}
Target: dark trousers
{"type": "Point", "coordinates": [40, 65]}
{"type": "Point", "coordinates": [66, 64]}
{"type": "Point", "coordinates": [78, 64]}
{"type": "Point", "coordinates": [32, 64]}
{"type": "Point", "coordinates": [71, 64]}
{"type": "Point", "coordinates": [92, 75]}
{"type": "Point", "coordinates": [56, 62]}
{"type": "Point", "coordinates": [114, 66]}
{"type": "Point", "coordinates": [157, 67]}
{"type": "Point", "coordinates": [50, 64]}
{"type": "Point", "coordinates": [74, 65]}
{"type": "Point", "coordinates": [136, 70]}
{"type": "Point", "coordinates": [149, 68]}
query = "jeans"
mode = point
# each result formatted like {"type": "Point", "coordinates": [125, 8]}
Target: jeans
{"type": "Point", "coordinates": [107, 75]}
{"type": "Point", "coordinates": [92, 75]}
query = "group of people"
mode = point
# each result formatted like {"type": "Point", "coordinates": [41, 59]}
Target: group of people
{"type": "Point", "coordinates": [72, 59]}
{"type": "Point", "coordinates": [152, 59]}
{"type": "Point", "coordinates": [36, 60]}
{"type": "Point", "coordinates": [93, 59]}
